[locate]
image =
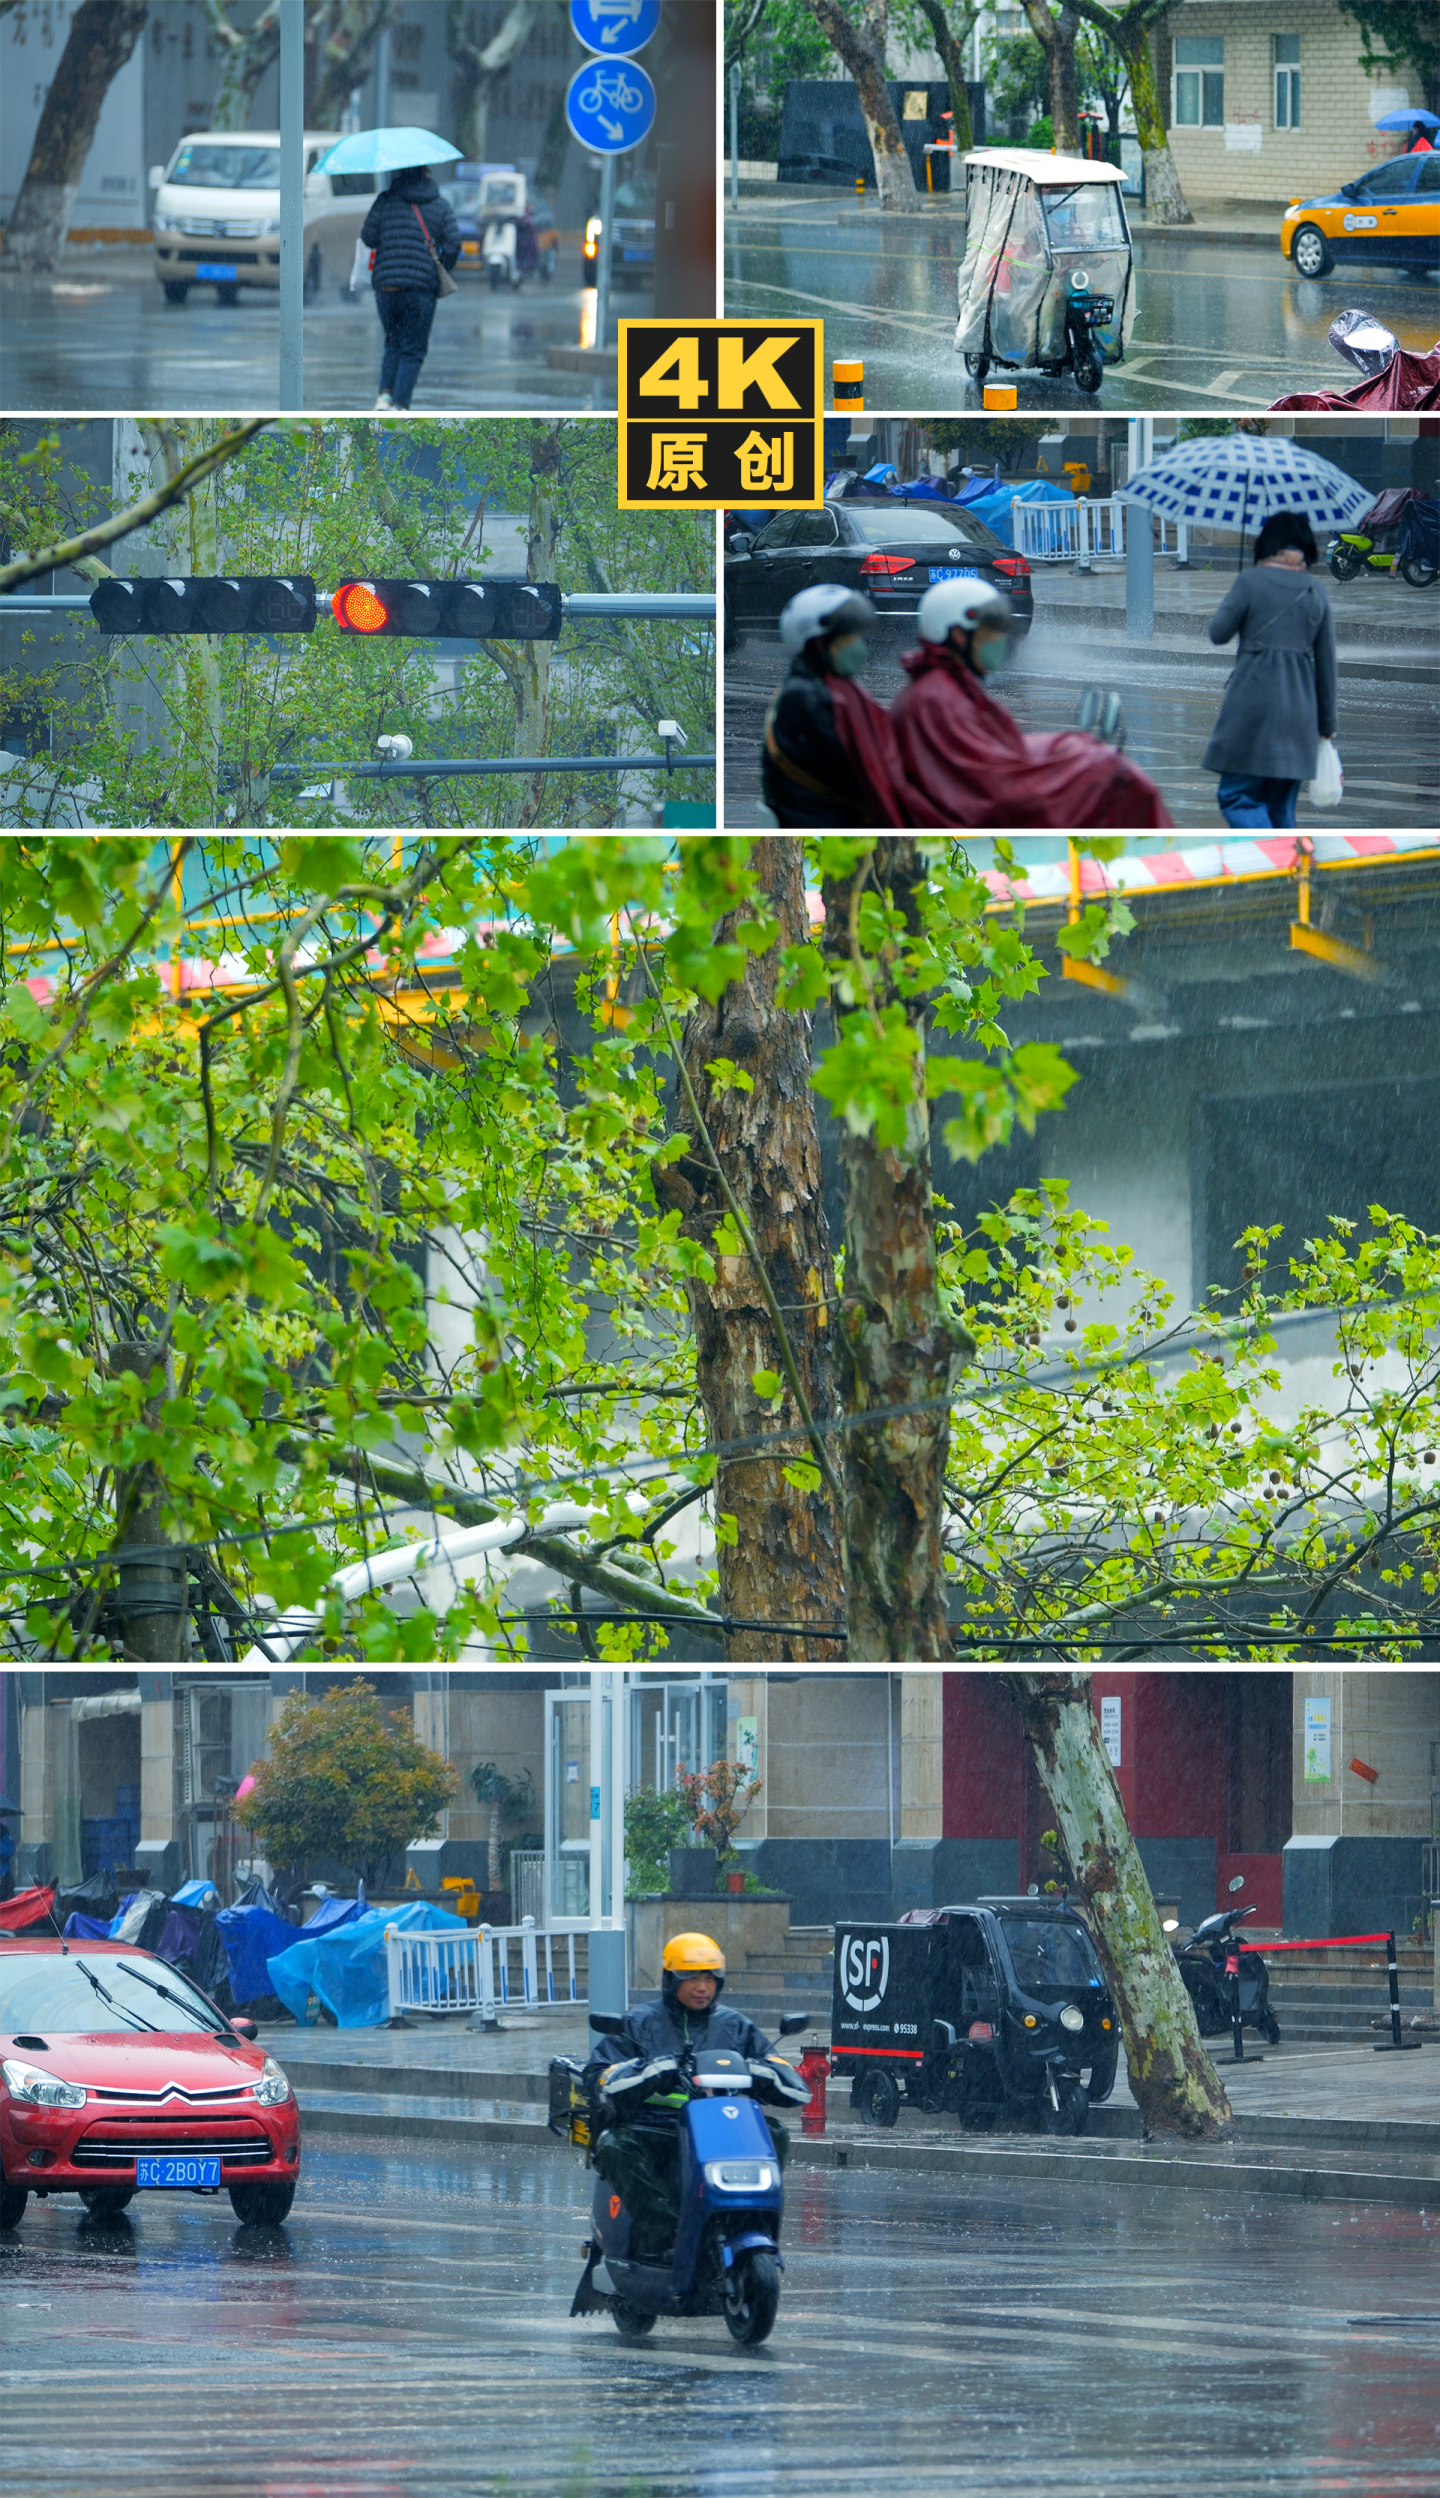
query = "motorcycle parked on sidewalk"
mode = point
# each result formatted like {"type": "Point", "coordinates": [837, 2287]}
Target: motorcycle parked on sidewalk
{"type": "Point", "coordinates": [725, 2259]}
{"type": "Point", "coordinates": [1207, 1965]}
{"type": "Point", "coordinates": [1400, 533]}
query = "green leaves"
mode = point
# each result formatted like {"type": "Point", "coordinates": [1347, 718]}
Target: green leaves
{"type": "Point", "coordinates": [870, 1077]}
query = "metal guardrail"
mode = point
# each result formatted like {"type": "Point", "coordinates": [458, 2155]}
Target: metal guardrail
{"type": "Point", "coordinates": [1090, 527]}
{"type": "Point", "coordinates": [443, 1972]}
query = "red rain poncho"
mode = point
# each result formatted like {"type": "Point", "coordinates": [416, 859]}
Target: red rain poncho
{"type": "Point", "coordinates": [1406, 382]}
{"type": "Point", "coordinates": [972, 765]}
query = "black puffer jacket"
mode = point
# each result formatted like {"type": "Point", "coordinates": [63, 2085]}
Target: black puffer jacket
{"type": "Point", "coordinates": [392, 231]}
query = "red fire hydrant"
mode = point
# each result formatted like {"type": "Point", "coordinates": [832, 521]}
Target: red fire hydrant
{"type": "Point", "coordinates": [812, 2068]}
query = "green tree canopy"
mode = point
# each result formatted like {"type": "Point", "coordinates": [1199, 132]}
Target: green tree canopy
{"type": "Point", "coordinates": [343, 1779]}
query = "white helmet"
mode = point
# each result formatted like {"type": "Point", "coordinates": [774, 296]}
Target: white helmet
{"type": "Point", "coordinates": [961, 603]}
{"type": "Point", "coordinates": [828, 608]}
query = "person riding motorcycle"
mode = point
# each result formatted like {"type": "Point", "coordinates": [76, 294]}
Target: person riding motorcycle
{"type": "Point", "coordinates": [829, 755]}
{"type": "Point", "coordinates": [967, 760]}
{"type": "Point", "coordinates": [636, 2152]}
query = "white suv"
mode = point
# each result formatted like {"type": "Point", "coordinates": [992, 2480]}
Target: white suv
{"type": "Point", "coordinates": [216, 218]}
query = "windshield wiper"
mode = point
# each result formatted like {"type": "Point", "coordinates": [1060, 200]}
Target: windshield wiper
{"type": "Point", "coordinates": [136, 2020]}
{"type": "Point", "coordinates": [168, 1992]}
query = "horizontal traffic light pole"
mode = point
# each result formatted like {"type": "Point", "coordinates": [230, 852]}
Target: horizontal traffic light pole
{"type": "Point", "coordinates": [468, 766]}
{"type": "Point", "coordinates": [291, 610]}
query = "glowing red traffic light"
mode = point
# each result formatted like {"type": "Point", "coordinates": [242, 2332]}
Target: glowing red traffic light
{"type": "Point", "coordinates": [356, 607]}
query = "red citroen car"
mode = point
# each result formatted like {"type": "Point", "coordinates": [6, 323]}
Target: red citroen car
{"type": "Point", "coordinates": [117, 2074]}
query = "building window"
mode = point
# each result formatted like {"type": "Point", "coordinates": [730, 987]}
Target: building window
{"type": "Point", "coordinates": [1199, 100]}
{"type": "Point", "coordinates": [1287, 82]}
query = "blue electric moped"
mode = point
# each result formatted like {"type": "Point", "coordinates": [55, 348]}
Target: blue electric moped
{"type": "Point", "coordinates": [726, 2257]}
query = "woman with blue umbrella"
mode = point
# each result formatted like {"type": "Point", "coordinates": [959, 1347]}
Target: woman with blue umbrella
{"type": "Point", "coordinates": [1280, 703]}
{"type": "Point", "coordinates": [412, 231]}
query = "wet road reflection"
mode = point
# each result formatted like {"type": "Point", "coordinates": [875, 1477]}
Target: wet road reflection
{"type": "Point", "coordinates": [1216, 320]}
{"type": "Point", "coordinates": [407, 2332]}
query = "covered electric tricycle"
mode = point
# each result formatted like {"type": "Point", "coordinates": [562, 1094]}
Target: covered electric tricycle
{"type": "Point", "coordinates": [996, 2013]}
{"type": "Point", "coordinates": [1047, 278]}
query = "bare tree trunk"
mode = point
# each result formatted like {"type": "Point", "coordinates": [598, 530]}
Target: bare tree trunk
{"type": "Point", "coordinates": [784, 1562]}
{"type": "Point", "coordinates": [103, 34]}
{"type": "Point", "coordinates": [1129, 31]}
{"type": "Point", "coordinates": [1176, 2087]}
{"type": "Point", "coordinates": [152, 1597]}
{"type": "Point", "coordinates": [950, 43]}
{"type": "Point", "coordinates": [479, 65]}
{"type": "Point", "coordinates": [895, 1345]}
{"type": "Point", "coordinates": [1056, 38]}
{"type": "Point", "coordinates": [862, 49]}
{"type": "Point", "coordinates": [246, 58]}
{"type": "Point", "coordinates": [346, 33]}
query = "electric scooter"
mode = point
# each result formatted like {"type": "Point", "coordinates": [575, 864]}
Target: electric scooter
{"type": "Point", "coordinates": [1205, 1967]}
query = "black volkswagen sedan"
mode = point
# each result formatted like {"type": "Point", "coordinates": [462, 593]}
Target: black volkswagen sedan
{"type": "Point", "coordinates": [894, 552]}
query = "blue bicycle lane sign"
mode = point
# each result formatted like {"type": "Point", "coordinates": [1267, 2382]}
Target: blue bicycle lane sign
{"type": "Point", "coordinates": [610, 105]}
{"type": "Point", "coordinates": [614, 26]}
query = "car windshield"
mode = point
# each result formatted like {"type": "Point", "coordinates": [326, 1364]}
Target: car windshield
{"type": "Point", "coordinates": [902, 523]}
{"type": "Point", "coordinates": [216, 166]}
{"type": "Point", "coordinates": [1049, 1951]}
{"type": "Point", "coordinates": [48, 1992]}
{"type": "Point", "coordinates": [637, 196]}
{"type": "Point", "coordinates": [1084, 218]}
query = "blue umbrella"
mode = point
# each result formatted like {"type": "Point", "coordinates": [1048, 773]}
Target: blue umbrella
{"type": "Point", "coordinates": [385, 151]}
{"type": "Point", "coordinates": [1408, 119]}
{"type": "Point", "coordinates": [1233, 480]}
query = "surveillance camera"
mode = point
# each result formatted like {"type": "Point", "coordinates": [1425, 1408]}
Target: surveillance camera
{"type": "Point", "coordinates": [672, 728]}
{"type": "Point", "coordinates": [399, 749]}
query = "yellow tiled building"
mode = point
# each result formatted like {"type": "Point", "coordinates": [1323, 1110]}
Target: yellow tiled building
{"type": "Point", "coordinates": [1266, 99]}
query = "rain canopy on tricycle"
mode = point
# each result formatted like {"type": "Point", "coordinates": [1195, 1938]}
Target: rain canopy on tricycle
{"type": "Point", "coordinates": [1047, 273]}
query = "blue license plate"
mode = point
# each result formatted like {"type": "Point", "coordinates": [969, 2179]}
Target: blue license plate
{"type": "Point", "coordinates": [953, 572]}
{"type": "Point", "coordinates": [628, 255]}
{"type": "Point", "coordinates": [225, 270]}
{"type": "Point", "coordinates": [177, 2173]}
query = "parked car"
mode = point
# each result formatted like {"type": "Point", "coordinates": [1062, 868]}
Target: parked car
{"type": "Point", "coordinates": [892, 551]}
{"type": "Point", "coordinates": [632, 248]}
{"type": "Point", "coordinates": [1390, 213]}
{"type": "Point", "coordinates": [117, 2076]}
{"type": "Point", "coordinates": [216, 216]}
{"type": "Point", "coordinates": [482, 194]}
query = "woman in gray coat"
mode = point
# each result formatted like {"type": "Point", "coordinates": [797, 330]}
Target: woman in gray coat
{"type": "Point", "coordinates": [1280, 700]}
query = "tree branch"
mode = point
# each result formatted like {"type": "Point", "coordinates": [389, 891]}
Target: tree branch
{"type": "Point", "coordinates": [120, 524]}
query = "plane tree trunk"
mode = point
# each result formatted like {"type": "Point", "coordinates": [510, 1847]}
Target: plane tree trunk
{"type": "Point", "coordinates": [1056, 38]}
{"type": "Point", "coordinates": [950, 42]}
{"type": "Point", "coordinates": [103, 34]}
{"type": "Point", "coordinates": [1176, 2087]}
{"type": "Point", "coordinates": [1129, 31]}
{"type": "Point", "coordinates": [860, 44]}
{"type": "Point", "coordinates": [783, 1565]}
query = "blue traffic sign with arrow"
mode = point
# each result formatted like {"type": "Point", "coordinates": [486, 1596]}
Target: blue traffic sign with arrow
{"type": "Point", "coordinates": [610, 105]}
{"type": "Point", "coordinates": [615, 26]}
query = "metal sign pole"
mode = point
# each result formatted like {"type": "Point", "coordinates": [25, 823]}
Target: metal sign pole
{"type": "Point", "coordinates": [602, 267]}
{"type": "Point", "coordinates": [734, 134]}
{"type": "Point", "coordinates": [292, 204]}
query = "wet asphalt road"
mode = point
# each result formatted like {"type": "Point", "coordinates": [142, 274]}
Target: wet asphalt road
{"type": "Point", "coordinates": [1385, 729]}
{"type": "Point", "coordinates": [103, 337]}
{"type": "Point", "coordinates": [407, 2333]}
{"type": "Point", "coordinates": [1217, 321]}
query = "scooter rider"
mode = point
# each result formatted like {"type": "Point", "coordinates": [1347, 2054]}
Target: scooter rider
{"type": "Point", "coordinates": [830, 756]}
{"type": "Point", "coordinates": [636, 2151]}
{"type": "Point", "coordinates": [965, 757]}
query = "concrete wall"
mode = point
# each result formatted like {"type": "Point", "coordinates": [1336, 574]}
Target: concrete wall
{"type": "Point", "coordinates": [1390, 1720]}
{"type": "Point", "coordinates": [1336, 138]}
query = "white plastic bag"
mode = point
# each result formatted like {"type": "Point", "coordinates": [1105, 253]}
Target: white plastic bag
{"type": "Point", "coordinates": [362, 268]}
{"type": "Point", "coordinates": [1328, 787]}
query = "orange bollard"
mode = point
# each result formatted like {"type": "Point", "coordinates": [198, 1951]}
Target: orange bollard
{"type": "Point", "coordinates": [812, 2068]}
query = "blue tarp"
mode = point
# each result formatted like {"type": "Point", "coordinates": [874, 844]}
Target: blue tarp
{"type": "Point", "coordinates": [924, 490]}
{"type": "Point", "coordinates": [332, 1912]}
{"type": "Point", "coordinates": [87, 1929]}
{"type": "Point", "coordinates": [994, 508]}
{"type": "Point", "coordinates": [250, 1937]}
{"type": "Point", "coordinates": [346, 1968]}
{"type": "Point", "coordinates": [194, 1895]}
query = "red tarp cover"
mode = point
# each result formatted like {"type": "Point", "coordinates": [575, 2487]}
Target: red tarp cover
{"type": "Point", "coordinates": [1407, 382]}
{"type": "Point", "coordinates": [28, 1908]}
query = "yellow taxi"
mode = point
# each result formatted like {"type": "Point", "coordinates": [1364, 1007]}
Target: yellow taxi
{"type": "Point", "coordinates": [1390, 213]}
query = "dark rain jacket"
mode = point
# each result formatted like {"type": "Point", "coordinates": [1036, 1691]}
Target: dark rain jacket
{"type": "Point", "coordinates": [1281, 694]}
{"type": "Point", "coordinates": [971, 763]}
{"type": "Point", "coordinates": [665, 2030]}
{"type": "Point", "coordinates": [392, 231]}
{"type": "Point", "coordinates": [829, 755]}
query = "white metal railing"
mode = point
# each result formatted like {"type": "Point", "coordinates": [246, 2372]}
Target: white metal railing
{"type": "Point", "coordinates": [1089, 528]}
{"type": "Point", "coordinates": [527, 1885]}
{"type": "Point", "coordinates": [480, 1971]}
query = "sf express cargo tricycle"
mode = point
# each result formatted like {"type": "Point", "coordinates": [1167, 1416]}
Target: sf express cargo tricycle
{"type": "Point", "coordinates": [1047, 279]}
{"type": "Point", "coordinates": [995, 2013]}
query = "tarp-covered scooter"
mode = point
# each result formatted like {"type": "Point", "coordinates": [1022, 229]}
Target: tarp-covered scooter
{"type": "Point", "coordinates": [1047, 279]}
{"type": "Point", "coordinates": [993, 2012]}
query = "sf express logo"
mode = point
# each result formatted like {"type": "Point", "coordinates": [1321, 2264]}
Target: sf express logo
{"type": "Point", "coordinates": [864, 1972]}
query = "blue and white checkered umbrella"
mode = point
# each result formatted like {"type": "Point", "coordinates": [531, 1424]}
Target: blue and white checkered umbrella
{"type": "Point", "coordinates": [1235, 481]}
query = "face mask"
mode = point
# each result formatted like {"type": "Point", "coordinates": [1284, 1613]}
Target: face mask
{"type": "Point", "coordinates": [848, 657]}
{"type": "Point", "coordinates": [989, 651]}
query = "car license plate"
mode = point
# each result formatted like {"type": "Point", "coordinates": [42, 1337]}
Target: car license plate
{"type": "Point", "coordinates": [629, 255]}
{"type": "Point", "coordinates": [225, 270]}
{"type": "Point", "coordinates": [470, 251]}
{"type": "Point", "coordinates": [953, 572]}
{"type": "Point", "coordinates": [178, 2172]}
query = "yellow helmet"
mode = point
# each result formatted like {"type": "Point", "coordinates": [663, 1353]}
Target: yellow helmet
{"type": "Point", "coordinates": [693, 1956]}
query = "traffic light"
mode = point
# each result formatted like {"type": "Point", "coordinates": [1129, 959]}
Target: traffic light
{"type": "Point", "coordinates": [476, 611]}
{"type": "Point", "coordinates": [206, 603]}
